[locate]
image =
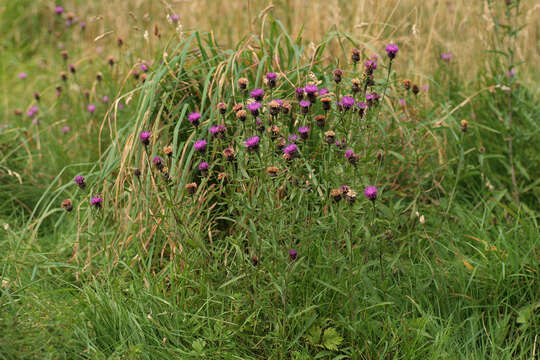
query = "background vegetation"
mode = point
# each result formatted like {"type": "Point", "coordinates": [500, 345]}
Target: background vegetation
{"type": "Point", "coordinates": [443, 265]}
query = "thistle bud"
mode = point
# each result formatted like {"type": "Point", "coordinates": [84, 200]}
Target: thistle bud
{"type": "Point", "coordinates": [464, 125]}
{"type": "Point", "coordinates": [337, 76]}
{"type": "Point", "coordinates": [355, 56]}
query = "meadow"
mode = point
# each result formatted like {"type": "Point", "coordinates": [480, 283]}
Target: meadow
{"type": "Point", "coordinates": [269, 180]}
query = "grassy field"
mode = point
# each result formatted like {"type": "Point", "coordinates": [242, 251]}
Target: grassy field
{"type": "Point", "coordinates": [256, 180]}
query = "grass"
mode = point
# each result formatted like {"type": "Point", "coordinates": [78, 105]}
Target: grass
{"type": "Point", "coordinates": [444, 264]}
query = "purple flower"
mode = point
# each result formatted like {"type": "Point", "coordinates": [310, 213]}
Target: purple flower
{"type": "Point", "coordinates": [91, 108]}
{"type": "Point", "coordinates": [299, 93]}
{"type": "Point", "coordinates": [143, 67]}
{"type": "Point", "coordinates": [105, 99]}
{"type": "Point", "coordinates": [292, 138]}
{"type": "Point", "coordinates": [214, 130]}
{"type": "Point", "coordinates": [511, 73]}
{"type": "Point", "coordinates": [351, 157]}
{"type": "Point", "coordinates": [254, 107]}
{"type": "Point", "coordinates": [271, 76]}
{"type": "Point", "coordinates": [79, 180]}
{"type": "Point", "coordinates": [446, 56]}
{"type": "Point", "coordinates": [83, 25]}
{"type": "Point", "coordinates": [402, 101]}
{"type": "Point", "coordinates": [203, 166]}
{"type": "Point", "coordinates": [305, 103]}
{"type": "Point", "coordinates": [341, 144]}
{"type": "Point", "coordinates": [324, 91]}
{"type": "Point", "coordinates": [200, 145]}
{"type": "Point", "coordinates": [392, 50]}
{"type": "Point", "coordinates": [303, 131]}
{"type": "Point", "coordinates": [32, 111]}
{"type": "Point", "coordinates": [252, 143]}
{"type": "Point", "coordinates": [347, 102]}
{"type": "Point", "coordinates": [257, 94]}
{"type": "Point", "coordinates": [194, 118]}
{"type": "Point", "coordinates": [371, 193]}
{"type": "Point", "coordinates": [175, 18]}
{"type": "Point", "coordinates": [280, 102]}
{"type": "Point", "coordinates": [23, 76]}
{"type": "Point", "coordinates": [291, 150]}
{"type": "Point", "coordinates": [293, 254]}
{"type": "Point", "coordinates": [96, 202]}
{"type": "Point", "coordinates": [120, 106]}
{"type": "Point", "coordinates": [158, 161]}
{"type": "Point", "coordinates": [349, 153]}
{"type": "Point", "coordinates": [65, 129]}
{"type": "Point", "coordinates": [311, 89]}
{"type": "Point", "coordinates": [58, 10]}
{"type": "Point", "coordinates": [371, 65]}
{"type": "Point", "coordinates": [145, 138]}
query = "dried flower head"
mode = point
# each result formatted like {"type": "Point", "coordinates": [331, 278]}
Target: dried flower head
{"type": "Point", "coordinates": [464, 125]}
{"type": "Point", "coordinates": [320, 120]}
{"type": "Point", "coordinates": [243, 83]}
{"type": "Point", "coordinates": [229, 154]}
{"type": "Point", "coordinates": [337, 75]}
{"type": "Point", "coordinates": [241, 115]}
{"type": "Point", "coordinates": [406, 84]}
{"type": "Point", "coordinates": [67, 205]}
{"type": "Point", "coordinates": [329, 137]}
{"type": "Point", "coordinates": [222, 108]}
{"type": "Point", "coordinates": [191, 188]}
{"type": "Point", "coordinates": [355, 56]}
{"type": "Point", "coordinates": [272, 171]}
{"type": "Point", "coordinates": [168, 150]}
{"type": "Point", "coordinates": [274, 107]}
{"type": "Point", "coordinates": [335, 194]}
{"type": "Point", "coordinates": [238, 107]}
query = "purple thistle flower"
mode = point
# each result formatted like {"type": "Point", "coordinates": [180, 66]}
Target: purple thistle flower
{"type": "Point", "coordinates": [203, 166]}
{"type": "Point", "coordinates": [143, 67]}
{"type": "Point", "coordinates": [446, 56]}
{"type": "Point", "coordinates": [200, 145]}
{"type": "Point", "coordinates": [96, 202]}
{"type": "Point", "coordinates": [58, 10]}
{"type": "Point", "coordinates": [349, 153]}
{"type": "Point", "coordinates": [145, 138]}
{"type": "Point", "coordinates": [371, 65]}
{"type": "Point", "coordinates": [65, 129]}
{"type": "Point", "coordinates": [23, 75]}
{"type": "Point", "coordinates": [511, 73]}
{"type": "Point", "coordinates": [79, 180]}
{"type": "Point", "coordinates": [292, 138]}
{"type": "Point", "coordinates": [392, 50]}
{"type": "Point", "coordinates": [175, 18]}
{"type": "Point", "coordinates": [303, 131]}
{"type": "Point", "coordinates": [293, 254]}
{"type": "Point", "coordinates": [254, 107]}
{"type": "Point", "coordinates": [194, 118]}
{"type": "Point", "coordinates": [83, 25]}
{"type": "Point", "coordinates": [305, 103]}
{"type": "Point", "coordinates": [402, 101]}
{"type": "Point", "coordinates": [351, 157]}
{"type": "Point", "coordinates": [299, 93]}
{"type": "Point", "coordinates": [105, 99]}
{"type": "Point", "coordinates": [158, 161]}
{"type": "Point", "coordinates": [371, 193]}
{"type": "Point", "coordinates": [311, 89]}
{"type": "Point", "coordinates": [214, 130]}
{"type": "Point", "coordinates": [347, 102]}
{"type": "Point", "coordinates": [252, 143]}
{"type": "Point", "coordinates": [280, 102]}
{"type": "Point", "coordinates": [257, 94]}
{"type": "Point", "coordinates": [324, 91]}
{"type": "Point", "coordinates": [291, 150]}
{"type": "Point", "coordinates": [91, 108]}
{"type": "Point", "coordinates": [341, 144]}
{"type": "Point", "coordinates": [271, 76]}
{"type": "Point", "coordinates": [32, 111]}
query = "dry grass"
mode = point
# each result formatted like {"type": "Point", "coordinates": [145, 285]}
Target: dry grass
{"type": "Point", "coordinates": [423, 29]}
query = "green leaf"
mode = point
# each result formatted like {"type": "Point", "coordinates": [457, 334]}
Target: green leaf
{"type": "Point", "coordinates": [331, 339]}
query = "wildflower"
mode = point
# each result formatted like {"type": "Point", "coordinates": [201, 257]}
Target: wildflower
{"type": "Point", "coordinates": [158, 162]}
{"type": "Point", "coordinates": [23, 75]}
{"type": "Point", "coordinates": [58, 10]}
{"type": "Point", "coordinates": [337, 76]}
{"type": "Point", "coordinates": [259, 125]}
{"type": "Point", "coordinates": [99, 76]}
{"type": "Point", "coordinates": [511, 73]}
{"type": "Point", "coordinates": [355, 57]}
{"type": "Point", "coordinates": [392, 50]}
{"type": "Point", "coordinates": [32, 111]}
{"type": "Point", "coordinates": [83, 25]}
{"type": "Point", "coordinates": [241, 115]}
{"type": "Point", "coordinates": [194, 118]}
{"type": "Point", "coordinates": [137, 172]}
{"type": "Point", "coordinates": [96, 202]}
{"type": "Point", "coordinates": [271, 77]}
{"type": "Point", "coordinates": [299, 92]}
{"type": "Point", "coordinates": [372, 99]}
{"type": "Point", "coordinates": [326, 103]}
{"type": "Point", "coordinates": [341, 144]}
{"type": "Point", "coordinates": [257, 94]}
{"type": "Point", "coordinates": [320, 120]}
{"type": "Point", "coordinates": [203, 167]}
{"type": "Point", "coordinates": [415, 89]}
{"type": "Point", "coordinates": [191, 188]}
{"type": "Point", "coordinates": [304, 132]}
{"type": "Point", "coordinates": [79, 180]}
{"type": "Point", "coordinates": [72, 69]}
{"type": "Point", "coordinates": [252, 144]}
{"type": "Point", "coordinates": [402, 102]}
{"type": "Point", "coordinates": [243, 83]}
{"type": "Point", "coordinates": [136, 74]}
{"type": "Point", "coordinates": [350, 196]}
{"type": "Point", "coordinates": [254, 107]}
{"type": "Point", "coordinates": [292, 138]}
{"type": "Point", "coordinates": [105, 99]}
{"type": "Point", "coordinates": [238, 107]}
{"type": "Point", "coordinates": [304, 105]}
{"type": "Point", "coordinates": [67, 205]}
{"type": "Point", "coordinates": [223, 177]}
{"type": "Point", "coordinates": [119, 41]}
{"type": "Point", "coordinates": [292, 254]}
{"type": "Point", "coordinates": [272, 171]}
{"type": "Point", "coordinates": [91, 108]}
{"type": "Point", "coordinates": [371, 65]}
{"type": "Point", "coordinates": [144, 67]}
{"type": "Point", "coordinates": [58, 90]}
{"type": "Point", "coordinates": [229, 154]}
{"type": "Point", "coordinates": [222, 108]}
{"type": "Point", "coordinates": [110, 60]}
{"type": "Point", "coordinates": [446, 56]}
{"type": "Point", "coordinates": [291, 150]}
{"type": "Point", "coordinates": [347, 102]}
{"type": "Point", "coordinates": [200, 145]}
{"type": "Point", "coordinates": [37, 96]}
{"type": "Point", "coordinates": [464, 125]}
{"type": "Point", "coordinates": [175, 18]}
{"type": "Point", "coordinates": [355, 87]}
{"type": "Point", "coordinates": [65, 129]}
{"type": "Point", "coordinates": [362, 106]}
{"type": "Point", "coordinates": [329, 136]}
{"type": "Point", "coordinates": [145, 138]}
{"type": "Point", "coordinates": [324, 91]}
{"type": "Point", "coordinates": [406, 84]}
{"type": "Point", "coordinates": [274, 132]}
{"type": "Point", "coordinates": [280, 144]}
{"type": "Point", "coordinates": [274, 107]}
{"type": "Point", "coordinates": [286, 107]}
{"type": "Point", "coordinates": [380, 155]}
{"type": "Point", "coordinates": [168, 151]}
{"type": "Point", "coordinates": [63, 75]}
{"type": "Point", "coordinates": [18, 112]}
{"type": "Point", "coordinates": [371, 193]}
{"type": "Point", "coordinates": [336, 194]}
{"type": "Point", "coordinates": [351, 157]}
{"type": "Point", "coordinates": [254, 260]}
{"type": "Point", "coordinates": [311, 91]}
